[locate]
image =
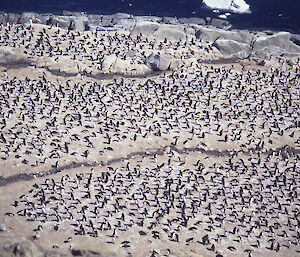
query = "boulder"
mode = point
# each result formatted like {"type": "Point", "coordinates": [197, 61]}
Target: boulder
{"type": "Point", "coordinates": [95, 20]}
{"type": "Point", "coordinates": [120, 16]}
{"type": "Point", "coordinates": [62, 64]}
{"type": "Point", "coordinates": [27, 17]}
{"type": "Point", "coordinates": [111, 20]}
{"type": "Point", "coordinates": [70, 13]}
{"type": "Point", "coordinates": [144, 28]}
{"type": "Point", "coordinates": [78, 23]}
{"type": "Point", "coordinates": [218, 23]}
{"type": "Point", "coordinates": [2, 228]}
{"type": "Point", "coordinates": [13, 18]}
{"type": "Point", "coordinates": [156, 19]}
{"type": "Point", "coordinates": [107, 21]}
{"type": "Point", "coordinates": [43, 18]}
{"type": "Point", "coordinates": [212, 34]}
{"type": "Point", "coordinates": [12, 247]}
{"type": "Point", "coordinates": [193, 20]}
{"type": "Point", "coordinates": [9, 18]}
{"type": "Point", "coordinates": [232, 48]}
{"type": "Point", "coordinates": [87, 253]}
{"type": "Point", "coordinates": [127, 24]}
{"type": "Point", "coordinates": [295, 39]}
{"type": "Point", "coordinates": [157, 62]}
{"type": "Point", "coordinates": [170, 20]}
{"type": "Point", "coordinates": [280, 40]}
{"type": "Point", "coordinates": [115, 65]}
{"type": "Point", "coordinates": [169, 32]}
{"type": "Point", "coordinates": [3, 18]}
{"type": "Point", "coordinates": [11, 56]}
{"type": "Point", "coordinates": [59, 21]}
{"type": "Point", "coordinates": [21, 247]}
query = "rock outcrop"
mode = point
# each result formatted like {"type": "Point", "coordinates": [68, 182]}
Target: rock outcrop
{"type": "Point", "coordinates": [226, 42]}
{"type": "Point", "coordinates": [232, 48]}
{"type": "Point", "coordinates": [277, 44]}
{"type": "Point", "coordinates": [242, 44]}
{"type": "Point", "coordinates": [193, 20]}
{"type": "Point", "coordinates": [12, 56]}
{"type": "Point", "coordinates": [170, 33]}
{"type": "Point", "coordinates": [138, 24]}
{"type": "Point", "coordinates": [14, 246]}
{"type": "Point", "coordinates": [212, 34]}
{"type": "Point", "coordinates": [218, 23]}
{"type": "Point", "coordinates": [144, 28]}
{"type": "Point", "coordinates": [115, 65]}
{"type": "Point", "coordinates": [159, 32]}
{"type": "Point", "coordinates": [28, 17]}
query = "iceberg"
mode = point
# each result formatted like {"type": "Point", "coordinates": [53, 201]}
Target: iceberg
{"type": "Point", "coordinates": [236, 6]}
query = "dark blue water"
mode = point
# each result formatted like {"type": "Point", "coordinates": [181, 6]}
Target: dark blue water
{"type": "Point", "coordinates": [266, 14]}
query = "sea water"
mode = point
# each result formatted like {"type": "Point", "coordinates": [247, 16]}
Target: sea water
{"type": "Point", "coordinates": [265, 14]}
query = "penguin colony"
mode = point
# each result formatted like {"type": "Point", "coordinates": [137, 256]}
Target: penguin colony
{"type": "Point", "coordinates": [243, 203]}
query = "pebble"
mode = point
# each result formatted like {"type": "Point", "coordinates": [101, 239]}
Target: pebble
{"type": "Point", "coordinates": [2, 228]}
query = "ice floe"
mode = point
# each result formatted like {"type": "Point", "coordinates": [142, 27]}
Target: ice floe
{"type": "Point", "coordinates": [236, 6]}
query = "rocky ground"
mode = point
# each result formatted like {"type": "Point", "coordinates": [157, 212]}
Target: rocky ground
{"type": "Point", "coordinates": [147, 136]}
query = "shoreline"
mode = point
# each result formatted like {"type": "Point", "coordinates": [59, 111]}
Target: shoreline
{"type": "Point", "coordinates": [205, 20]}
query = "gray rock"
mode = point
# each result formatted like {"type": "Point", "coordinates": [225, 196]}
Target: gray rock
{"type": "Point", "coordinates": [122, 16]}
{"type": "Point", "coordinates": [80, 252]}
{"type": "Point", "coordinates": [9, 18]}
{"type": "Point", "coordinates": [130, 54]}
{"type": "Point", "coordinates": [43, 18]}
{"type": "Point", "coordinates": [87, 253]}
{"type": "Point", "coordinates": [110, 21]}
{"type": "Point", "coordinates": [27, 17]}
{"type": "Point", "coordinates": [60, 21]}
{"type": "Point", "coordinates": [120, 21]}
{"type": "Point", "coordinates": [192, 20]}
{"type": "Point", "coordinates": [107, 21]}
{"type": "Point", "coordinates": [169, 32]}
{"type": "Point", "coordinates": [2, 228]}
{"type": "Point", "coordinates": [295, 39]}
{"type": "Point", "coordinates": [113, 64]}
{"type": "Point", "coordinates": [218, 23]}
{"type": "Point", "coordinates": [69, 13]}
{"type": "Point", "coordinates": [127, 24]}
{"type": "Point", "coordinates": [212, 34]}
{"type": "Point", "coordinates": [156, 62]}
{"type": "Point", "coordinates": [144, 28]}
{"type": "Point", "coordinates": [159, 31]}
{"type": "Point", "coordinates": [20, 247]}
{"type": "Point", "coordinates": [13, 18]}
{"type": "Point", "coordinates": [170, 20]}
{"type": "Point", "coordinates": [3, 18]}
{"type": "Point", "coordinates": [11, 247]}
{"type": "Point", "coordinates": [281, 40]}
{"type": "Point", "coordinates": [232, 48]}
{"type": "Point", "coordinates": [78, 23]}
{"type": "Point", "coordinates": [149, 19]}
{"type": "Point", "coordinates": [95, 20]}
{"type": "Point", "coordinates": [10, 56]}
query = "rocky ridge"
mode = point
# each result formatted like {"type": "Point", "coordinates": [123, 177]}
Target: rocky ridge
{"type": "Point", "coordinates": [226, 41]}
